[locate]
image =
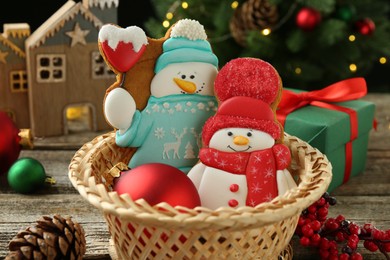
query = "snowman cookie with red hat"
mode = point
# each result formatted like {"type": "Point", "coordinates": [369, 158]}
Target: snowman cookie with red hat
{"type": "Point", "coordinates": [243, 161]}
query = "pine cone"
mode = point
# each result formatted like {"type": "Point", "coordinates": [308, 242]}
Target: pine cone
{"type": "Point", "coordinates": [51, 238]}
{"type": "Point", "coordinates": [252, 15]}
{"type": "Point", "coordinates": [238, 29]}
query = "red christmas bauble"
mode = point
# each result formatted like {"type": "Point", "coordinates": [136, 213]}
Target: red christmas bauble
{"type": "Point", "coordinates": [9, 142]}
{"type": "Point", "coordinates": [365, 26]}
{"type": "Point", "coordinates": [308, 18]}
{"type": "Point", "coordinates": [157, 182]}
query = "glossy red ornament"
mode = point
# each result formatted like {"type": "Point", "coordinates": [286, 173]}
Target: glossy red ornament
{"type": "Point", "coordinates": [9, 142]}
{"type": "Point", "coordinates": [365, 26]}
{"type": "Point", "coordinates": [308, 18]}
{"type": "Point", "coordinates": [157, 182]}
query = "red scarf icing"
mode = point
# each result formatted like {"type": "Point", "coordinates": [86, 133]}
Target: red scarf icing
{"type": "Point", "coordinates": [259, 167]}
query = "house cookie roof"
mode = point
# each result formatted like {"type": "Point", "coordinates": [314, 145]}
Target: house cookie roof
{"type": "Point", "coordinates": [12, 46]}
{"type": "Point", "coordinates": [16, 30]}
{"type": "Point", "coordinates": [52, 25]}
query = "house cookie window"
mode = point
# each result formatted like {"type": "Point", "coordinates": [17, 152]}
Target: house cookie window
{"type": "Point", "coordinates": [18, 81]}
{"type": "Point", "coordinates": [51, 67]}
{"type": "Point", "coordinates": [99, 68]}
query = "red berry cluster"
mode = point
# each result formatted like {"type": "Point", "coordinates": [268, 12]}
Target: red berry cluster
{"type": "Point", "coordinates": [338, 238]}
{"type": "Point", "coordinates": [375, 239]}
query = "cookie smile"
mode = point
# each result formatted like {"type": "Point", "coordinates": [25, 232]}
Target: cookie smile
{"type": "Point", "coordinates": [249, 147]}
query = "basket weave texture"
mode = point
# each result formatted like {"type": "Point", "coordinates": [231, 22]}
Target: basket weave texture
{"type": "Point", "coordinates": [140, 231]}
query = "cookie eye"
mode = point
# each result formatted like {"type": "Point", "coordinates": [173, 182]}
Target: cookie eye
{"type": "Point", "coordinates": [229, 133]}
{"type": "Point", "coordinates": [183, 76]}
{"type": "Point", "coordinates": [249, 134]}
{"type": "Point", "coordinates": [192, 77]}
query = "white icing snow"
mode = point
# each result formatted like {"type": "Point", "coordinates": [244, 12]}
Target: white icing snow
{"type": "Point", "coordinates": [114, 34]}
{"type": "Point", "coordinates": [190, 29]}
{"type": "Point", "coordinates": [103, 3]}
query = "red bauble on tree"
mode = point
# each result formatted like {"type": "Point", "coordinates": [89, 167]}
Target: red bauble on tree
{"type": "Point", "coordinates": [9, 142]}
{"type": "Point", "coordinates": [157, 182]}
{"type": "Point", "coordinates": [365, 26]}
{"type": "Point", "coordinates": [308, 18]}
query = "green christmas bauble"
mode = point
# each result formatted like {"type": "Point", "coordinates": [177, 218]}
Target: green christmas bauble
{"type": "Point", "coordinates": [26, 175]}
{"type": "Point", "coordinates": [346, 13]}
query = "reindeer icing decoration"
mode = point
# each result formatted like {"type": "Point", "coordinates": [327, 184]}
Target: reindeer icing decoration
{"type": "Point", "coordinates": [243, 162]}
{"type": "Point", "coordinates": [182, 96]}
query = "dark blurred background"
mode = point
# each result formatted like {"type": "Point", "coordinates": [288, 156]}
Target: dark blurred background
{"type": "Point", "coordinates": [134, 12]}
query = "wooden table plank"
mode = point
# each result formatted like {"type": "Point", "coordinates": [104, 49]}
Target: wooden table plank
{"type": "Point", "coordinates": [375, 180]}
{"type": "Point", "coordinates": [56, 164]}
{"type": "Point", "coordinates": [20, 211]}
{"type": "Point", "coordinates": [365, 198]}
{"type": "Point", "coordinates": [380, 139]}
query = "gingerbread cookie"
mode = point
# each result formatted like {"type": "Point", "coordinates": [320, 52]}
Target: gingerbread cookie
{"type": "Point", "coordinates": [242, 163]}
{"type": "Point", "coordinates": [168, 128]}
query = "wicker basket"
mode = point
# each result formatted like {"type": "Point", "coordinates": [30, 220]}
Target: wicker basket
{"type": "Point", "coordinates": [140, 231]}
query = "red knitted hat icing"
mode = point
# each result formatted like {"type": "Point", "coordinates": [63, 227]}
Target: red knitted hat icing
{"type": "Point", "coordinates": [242, 112]}
{"type": "Point", "coordinates": [246, 87]}
{"type": "Point", "coordinates": [248, 77]}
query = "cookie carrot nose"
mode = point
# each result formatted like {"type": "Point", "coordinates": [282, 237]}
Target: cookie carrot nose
{"type": "Point", "coordinates": [185, 85]}
{"type": "Point", "coordinates": [240, 140]}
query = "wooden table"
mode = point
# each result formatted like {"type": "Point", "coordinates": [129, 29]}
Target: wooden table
{"type": "Point", "coordinates": [365, 198]}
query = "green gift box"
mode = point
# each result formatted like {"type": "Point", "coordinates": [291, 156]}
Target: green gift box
{"type": "Point", "coordinates": [340, 130]}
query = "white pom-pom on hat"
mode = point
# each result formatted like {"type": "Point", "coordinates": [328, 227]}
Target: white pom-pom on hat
{"type": "Point", "coordinates": [190, 29]}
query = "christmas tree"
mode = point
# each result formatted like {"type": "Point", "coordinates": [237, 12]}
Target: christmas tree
{"type": "Point", "coordinates": [312, 43]}
{"type": "Point", "coordinates": [189, 152]}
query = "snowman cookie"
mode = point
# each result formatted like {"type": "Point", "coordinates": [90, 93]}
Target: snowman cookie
{"type": "Point", "coordinates": [168, 129]}
{"type": "Point", "coordinates": [243, 162]}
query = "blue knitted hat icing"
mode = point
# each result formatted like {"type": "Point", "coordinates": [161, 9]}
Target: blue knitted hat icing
{"type": "Point", "coordinates": [176, 50]}
{"type": "Point", "coordinates": [185, 47]}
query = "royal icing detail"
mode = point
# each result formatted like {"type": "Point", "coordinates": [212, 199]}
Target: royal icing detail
{"type": "Point", "coordinates": [122, 47]}
{"type": "Point", "coordinates": [234, 187]}
{"type": "Point", "coordinates": [190, 29]}
{"type": "Point", "coordinates": [114, 34]}
{"type": "Point", "coordinates": [170, 136]}
{"type": "Point", "coordinates": [233, 203]}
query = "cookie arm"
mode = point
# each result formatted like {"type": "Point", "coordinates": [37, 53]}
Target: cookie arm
{"type": "Point", "coordinates": [136, 134]}
{"type": "Point", "coordinates": [285, 181]}
{"type": "Point", "coordinates": [196, 174]}
{"type": "Point", "coordinates": [119, 109]}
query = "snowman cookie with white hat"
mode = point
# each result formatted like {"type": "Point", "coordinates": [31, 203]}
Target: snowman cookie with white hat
{"type": "Point", "coordinates": [243, 161]}
{"type": "Point", "coordinates": [168, 129]}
